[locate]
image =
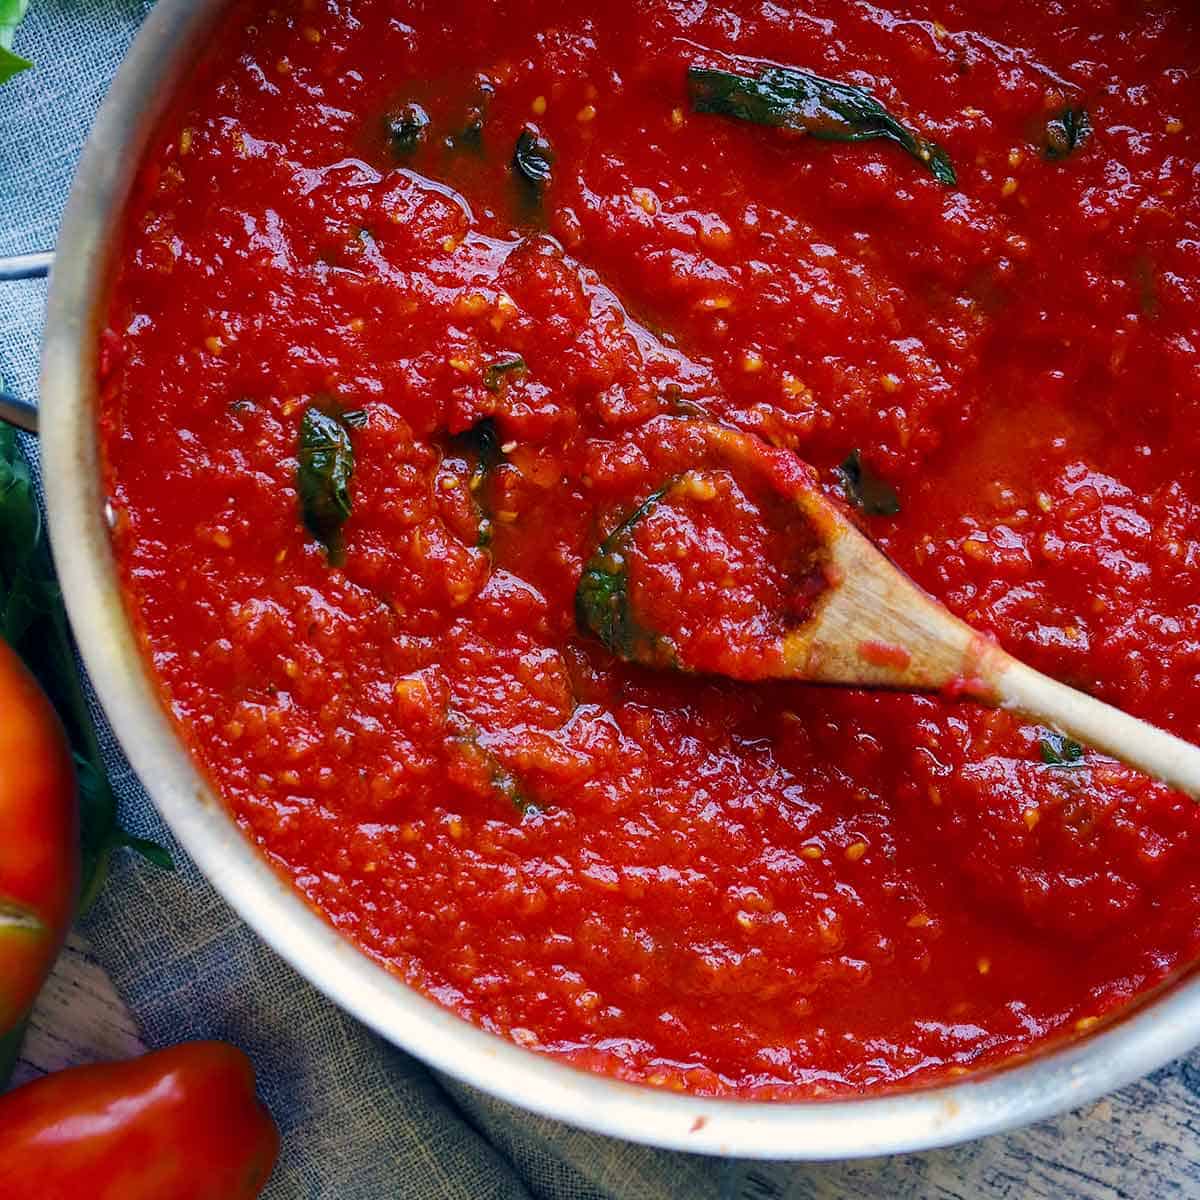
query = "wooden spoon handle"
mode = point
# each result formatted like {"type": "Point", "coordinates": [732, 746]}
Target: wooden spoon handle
{"type": "Point", "coordinates": [878, 629]}
{"type": "Point", "coordinates": [1091, 721]}
{"type": "Point", "coordinates": [872, 626]}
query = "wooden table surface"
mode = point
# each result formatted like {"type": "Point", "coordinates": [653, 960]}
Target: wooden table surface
{"type": "Point", "coordinates": [79, 1018]}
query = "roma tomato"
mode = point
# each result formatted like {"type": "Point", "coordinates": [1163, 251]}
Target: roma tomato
{"type": "Point", "coordinates": [180, 1124]}
{"type": "Point", "coordinates": [39, 837]}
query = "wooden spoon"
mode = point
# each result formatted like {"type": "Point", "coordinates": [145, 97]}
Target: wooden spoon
{"type": "Point", "coordinates": [871, 626]}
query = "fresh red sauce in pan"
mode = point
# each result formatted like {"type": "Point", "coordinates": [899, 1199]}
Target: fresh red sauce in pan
{"type": "Point", "coordinates": [765, 890]}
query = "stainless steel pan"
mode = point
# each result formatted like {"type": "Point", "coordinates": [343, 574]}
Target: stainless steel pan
{"type": "Point", "coordinates": [1166, 1025]}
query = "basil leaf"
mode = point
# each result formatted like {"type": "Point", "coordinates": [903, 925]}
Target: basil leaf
{"type": "Point", "coordinates": [602, 602]}
{"type": "Point", "coordinates": [865, 490]}
{"type": "Point", "coordinates": [406, 129]}
{"type": "Point", "coordinates": [326, 464]}
{"type": "Point", "coordinates": [495, 372]}
{"type": "Point", "coordinates": [481, 442]}
{"type": "Point", "coordinates": [11, 14]}
{"type": "Point", "coordinates": [532, 161]}
{"type": "Point", "coordinates": [788, 98]}
{"type": "Point", "coordinates": [34, 622]}
{"type": "Point", "coordinates": [508, 787]}
{"type": "Point", "coordinates": [470, 137]}
{"type": "Point", "coordinates": [1058, 750]}
{"type": "Point", "coordinates": [465, 742]}
{"type": "Point", "coordinates": [1066, 131]}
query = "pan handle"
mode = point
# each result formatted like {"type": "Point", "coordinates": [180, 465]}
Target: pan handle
{"type": "Point", "coordinates": [22, 413]}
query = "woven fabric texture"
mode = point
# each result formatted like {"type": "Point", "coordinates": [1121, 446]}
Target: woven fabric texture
{"type": "Point", "coordinates": [360, 1119]}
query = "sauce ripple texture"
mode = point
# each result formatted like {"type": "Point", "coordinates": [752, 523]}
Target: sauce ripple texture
{"type": "Point", "coordinates": [769, 890]}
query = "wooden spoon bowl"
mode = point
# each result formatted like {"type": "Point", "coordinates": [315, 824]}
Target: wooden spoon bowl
{"type": "Point", "coordinates": [871, 626]}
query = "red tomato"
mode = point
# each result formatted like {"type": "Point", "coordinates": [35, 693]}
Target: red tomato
{"type": "Point", "coordinates": [180, 1124]}
{"type": "Point", "coordinates": [39, 837]}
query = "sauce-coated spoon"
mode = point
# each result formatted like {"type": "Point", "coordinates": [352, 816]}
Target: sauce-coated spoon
{"type": "Point", "coordinates": [869, 625]}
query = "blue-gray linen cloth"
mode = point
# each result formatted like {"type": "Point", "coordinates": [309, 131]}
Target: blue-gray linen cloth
{"type": "Point", "coordinates": [361, 1120]}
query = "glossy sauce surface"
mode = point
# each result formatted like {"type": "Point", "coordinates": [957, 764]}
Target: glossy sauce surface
{"type": "Point", "coordinates": [757, 890]}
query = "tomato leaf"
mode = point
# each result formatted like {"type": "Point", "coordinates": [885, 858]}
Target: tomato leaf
{"type": "Point", "coordinates": [22, 579]}
{"type": "Point", "coordinates": [10, 1049]}
{"type": "Point", "coordinates": [11, 14]}
{"type": "Point", "coordinates": [34, 622]}
{"type": "Point", "coordinates": [152, 852]}
{"type": "Point", "coordinates": [789, 98]}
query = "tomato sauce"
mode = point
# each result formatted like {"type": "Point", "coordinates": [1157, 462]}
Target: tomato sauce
{"type": "Point", "coordinates": [337, 283]}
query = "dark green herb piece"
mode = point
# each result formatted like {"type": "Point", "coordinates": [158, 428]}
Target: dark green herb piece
{"type": "Point", "coordinates": [470, 137]}
{"type": "Point", "coordinates": [34, 622]}
{"type": "Point", "coordinates": [602, 602]}
{"type": "Point", "coordinates": [531, 161]}
{"type": "Point", "coordinates": [27, 588]}
{"type": "Point", "coordinates": [865, 490]}
{"type": "Point", "coordinates": [496, 372]}
{"type": "Point", "coordinates": [466, 741]}
{"type": "Point", "coordinates": [482, 443]}
{"type": "Point", "coordinates": [323, 477]}
{"type": "Point", "coordinates": [1058, 750]}
{"type": "Point", "coordinates": [96, 796]}
{"type": "Point", "coordinates": [1146, 276]}
{"type": "Point", "coordinates": [152, 852]}
{"type": "Point", "coordinates": [788, 98]}
{"type": "Point", "coordinates": [407, 129]}
{"type": "Point", "coordinates": [506, 785]}
{"type": "Point", "coordinates": [356, 418]}
{"type": "Point", "coordinates": [1066, 131]}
